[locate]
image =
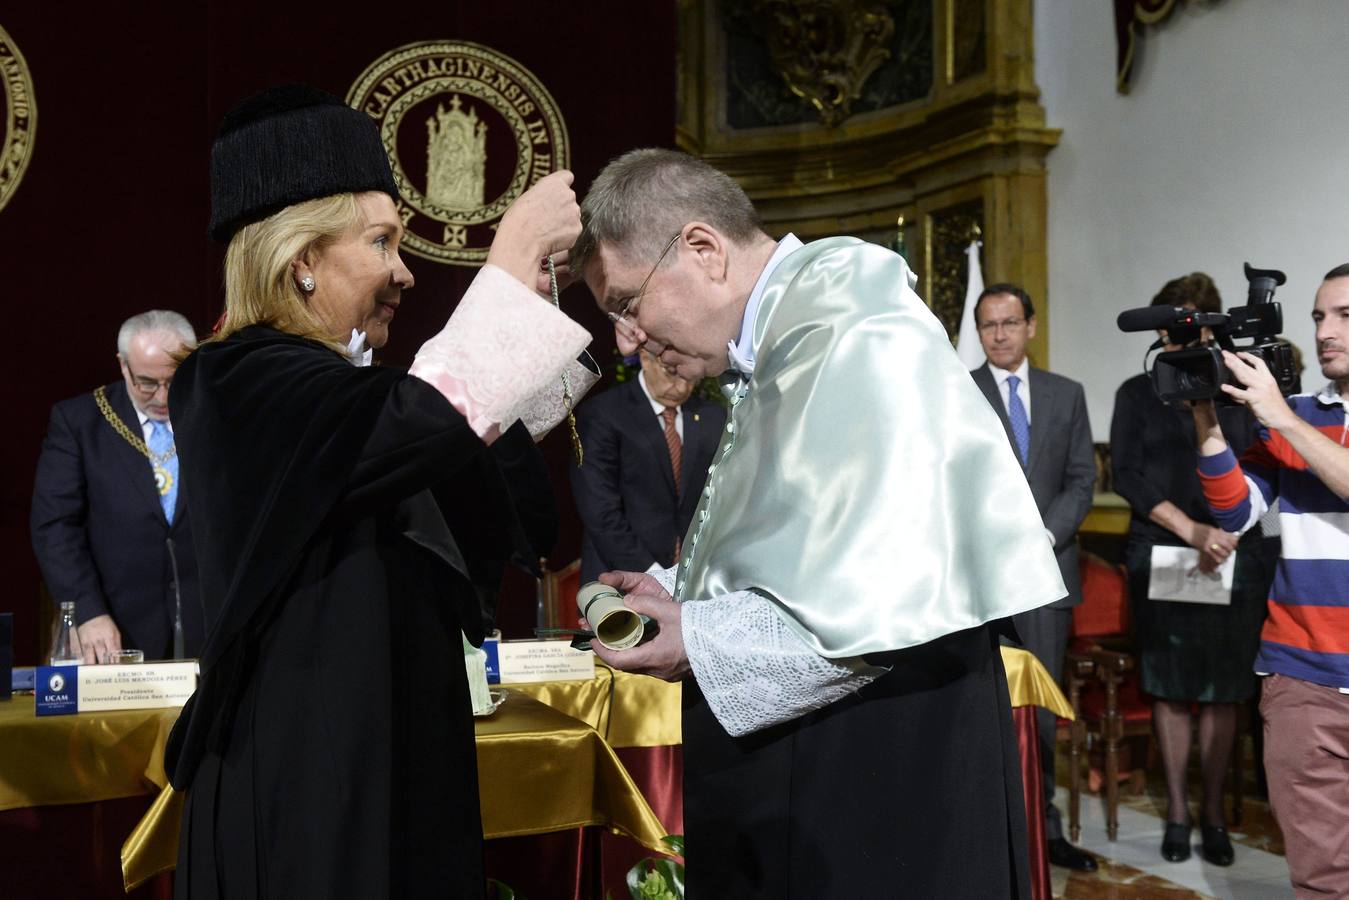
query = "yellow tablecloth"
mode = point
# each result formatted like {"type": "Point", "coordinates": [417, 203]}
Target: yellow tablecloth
{"type": "Point", "coordinates": [538, 770]}
{"type": "Point", "coordinates": [637, 711]}
{"type": "Point", "coordinates": [627, 710]}
{"type": "Point", "coordinates": [79, 759]}
{"type": "Point", "coordinates": [1030, 684]}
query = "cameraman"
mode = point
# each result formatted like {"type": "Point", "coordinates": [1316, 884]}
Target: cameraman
{"type": "Point", "coordinates": [1300, 458]}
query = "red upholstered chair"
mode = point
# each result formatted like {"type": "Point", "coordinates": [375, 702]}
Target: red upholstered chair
{"type": "Point", "coordinates": [1103, 688]}
{"type": "Point", "coordinates": [557, 595]}
{"type": "Point", "coordinates": [1103, 683]}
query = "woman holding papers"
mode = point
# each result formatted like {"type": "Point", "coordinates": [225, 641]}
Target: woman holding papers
{"type": "Point", "coordinates": [1198, 593]}
{"type": "Point", "coordinates": [353, 518]}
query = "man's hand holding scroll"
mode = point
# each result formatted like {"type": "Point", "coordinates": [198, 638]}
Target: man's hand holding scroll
{"type": "Point", "coordinates": [661, 657]}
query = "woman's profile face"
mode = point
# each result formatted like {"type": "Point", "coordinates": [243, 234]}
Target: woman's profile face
{"type": "Point", "coordinates": [360, 278]}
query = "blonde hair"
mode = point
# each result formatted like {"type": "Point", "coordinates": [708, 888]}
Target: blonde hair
{"type": "Point", "coordinates": [260, 286]}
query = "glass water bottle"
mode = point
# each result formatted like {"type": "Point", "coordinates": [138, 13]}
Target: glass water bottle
{"type": "Point", "coordinates": [66, 649]}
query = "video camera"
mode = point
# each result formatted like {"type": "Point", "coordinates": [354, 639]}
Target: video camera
{"type": "Point", "coordinates": [1198, 372]}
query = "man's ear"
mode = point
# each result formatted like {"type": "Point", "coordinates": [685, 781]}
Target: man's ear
{"type": "Point", "coordinates": [1030, 327]}
{"type": "Point", "coordinates": [710, 247]}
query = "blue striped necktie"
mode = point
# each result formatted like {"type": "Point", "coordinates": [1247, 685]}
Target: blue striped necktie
{"type": "Point", "coordinates": [1016, 414]}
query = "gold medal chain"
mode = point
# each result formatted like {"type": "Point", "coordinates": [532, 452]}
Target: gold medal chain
{"type": "Point", "coordinates": [156, 459]}
{"type": "Point", "coordinates": [577, 451]}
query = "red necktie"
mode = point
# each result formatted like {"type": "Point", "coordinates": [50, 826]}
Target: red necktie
{"type": "Point", "coordinates": [676, 448]}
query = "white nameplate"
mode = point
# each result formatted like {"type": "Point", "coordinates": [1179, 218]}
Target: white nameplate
{"type": "Point", "coordinates": [136, 686]}
{"type": "Point", "coordinates": [525, 661]}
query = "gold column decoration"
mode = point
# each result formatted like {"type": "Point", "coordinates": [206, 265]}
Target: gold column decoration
{"type": "Point", "coordinates": [952, 230]}
{"type": "Point", "coordinates": [826, 49]}
{"type": "Point", "coordinates": [20, 117]}
{"type": "Point", "coordinates": [967, 53]}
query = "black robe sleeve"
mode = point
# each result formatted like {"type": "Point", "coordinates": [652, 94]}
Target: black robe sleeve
{"type": "Point", "coordinates": [282, 438]}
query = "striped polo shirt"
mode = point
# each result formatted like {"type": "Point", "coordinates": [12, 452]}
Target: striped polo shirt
{"type": "Point", "coordinates": [1306, 634]}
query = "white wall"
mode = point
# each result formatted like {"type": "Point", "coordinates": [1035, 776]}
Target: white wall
{"type": "Point", "coordinates": [1232, 145]}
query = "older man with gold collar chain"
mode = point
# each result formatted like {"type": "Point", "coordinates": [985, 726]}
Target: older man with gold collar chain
{"type": "Point", "coordinates": [109, 521]}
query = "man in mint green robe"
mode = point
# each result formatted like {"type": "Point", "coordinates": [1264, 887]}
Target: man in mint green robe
{"type": "Point", "coordinates": [864, 533]}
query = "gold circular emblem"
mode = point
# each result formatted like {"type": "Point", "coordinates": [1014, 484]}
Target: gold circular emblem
{"type": "Point", "coordinates": [467, 130]}
{"type": "Point", "coordinates": [20, 112]}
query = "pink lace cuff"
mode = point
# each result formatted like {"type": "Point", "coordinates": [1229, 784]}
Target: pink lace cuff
{"type": "Point", "coordinates": [503, 347]}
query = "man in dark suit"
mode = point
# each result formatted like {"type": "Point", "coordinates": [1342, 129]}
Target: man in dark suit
{"type": "Point", "coordinates": [1045, 416]}
{"type": "Point", "coordinates": [634, 505]}
{"type": "Point", "coordinates": [109, 521]}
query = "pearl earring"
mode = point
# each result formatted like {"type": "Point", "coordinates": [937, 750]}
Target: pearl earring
{"type": "Point", "coordinates": [307, 284]}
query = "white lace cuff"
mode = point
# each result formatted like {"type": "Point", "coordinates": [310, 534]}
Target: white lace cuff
{"type": "Point", "coordinates": [503, 347]}
{"type": "Point", "coordinates": [666, 577]}
{"type": "Point", "coordinates": [754, 669]}
{"type": "Point", "coordinates": [551, 405]}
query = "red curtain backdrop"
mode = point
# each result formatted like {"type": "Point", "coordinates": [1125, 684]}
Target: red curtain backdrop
{"type": "Point", "coordinates": [110, 218]}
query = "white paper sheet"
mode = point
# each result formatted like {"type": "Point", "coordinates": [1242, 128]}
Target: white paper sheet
{"type": "Point", "coordinates": [1176, 576]}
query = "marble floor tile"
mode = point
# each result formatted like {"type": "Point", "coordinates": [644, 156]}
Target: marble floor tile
{"type": "Point", "coordinates": [1133, 866]}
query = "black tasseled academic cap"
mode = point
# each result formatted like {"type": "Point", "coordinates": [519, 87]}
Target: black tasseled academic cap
{"type": "Point", "coordinates": [289, 144]}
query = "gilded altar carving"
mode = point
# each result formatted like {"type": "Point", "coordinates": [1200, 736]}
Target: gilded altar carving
{"type": "Point", "coordinates": [968, 48]}
{"type": "Point", "coordinates": [825, 52]}
{"type": "Point", "coordinates": [972, 138]}
{"type": "Point", "coordinates": [952, 229]}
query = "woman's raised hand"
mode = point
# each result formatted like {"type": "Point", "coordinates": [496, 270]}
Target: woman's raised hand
{"type": "Point", "coordinates": [544, 220]}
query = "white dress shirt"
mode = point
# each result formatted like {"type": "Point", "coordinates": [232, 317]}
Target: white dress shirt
{"type": "Point", "coordinates": [147, 426]}
{"type": "Point", "coordinates": [1022, 389]}
{"type": "Point", "coordinates": [741, 352]}
{"type": "Point", "coordinates": [658, 408]}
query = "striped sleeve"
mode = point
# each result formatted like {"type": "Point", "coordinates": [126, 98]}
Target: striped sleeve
{"type": "Point", "coordinates": [1237, 499]}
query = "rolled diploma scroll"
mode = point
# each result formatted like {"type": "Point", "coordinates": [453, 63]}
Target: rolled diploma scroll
{"type": "Point", "coordinates": [615, 626]}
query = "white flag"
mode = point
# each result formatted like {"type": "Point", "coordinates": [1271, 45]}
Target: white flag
{"type": "Point", "coordinates": [968, 348]}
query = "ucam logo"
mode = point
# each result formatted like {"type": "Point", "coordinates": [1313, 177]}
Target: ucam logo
{"type": "Point", "coordinates": [57, 691]}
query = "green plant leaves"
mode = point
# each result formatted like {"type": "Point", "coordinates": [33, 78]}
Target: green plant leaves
{"type": "Point", "coordinates": [659, 878]}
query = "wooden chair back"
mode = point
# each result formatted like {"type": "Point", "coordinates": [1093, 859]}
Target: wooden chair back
{"type": "Point", "coordinates": [557, 595]}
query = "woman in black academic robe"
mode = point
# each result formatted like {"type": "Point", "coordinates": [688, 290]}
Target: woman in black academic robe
{"type": "Point", "coordinates": [352, 522]}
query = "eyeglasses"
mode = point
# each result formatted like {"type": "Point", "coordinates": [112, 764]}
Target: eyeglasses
{"type": "Point", "coordinates": [625, 320]}
{"type": "Point", "coordinates": [1006, 324]}
{"type": "Point", "coordinates": [148, 387]}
